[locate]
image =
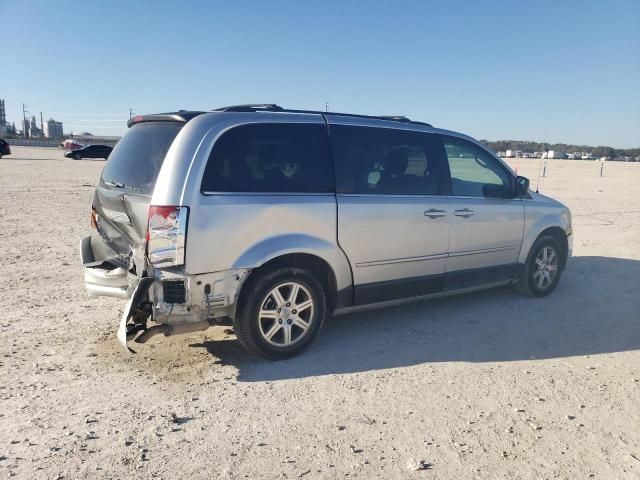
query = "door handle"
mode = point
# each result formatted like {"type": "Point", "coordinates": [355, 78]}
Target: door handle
{"type": "Point", "coordinates": [463, 212]}
{"type": "Point", "coordinates": [434, 213]}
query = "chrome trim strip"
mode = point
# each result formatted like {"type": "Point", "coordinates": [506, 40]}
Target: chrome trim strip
{"type": "Point", "coordinates": [375, 263]}
{"type": "Point", "coordinates": [435, 256]}
{"type": "Point", "coordinates": [470, 197]}
{"type": "Point", "coordinates": [270, 194]}
{"type": "Point", "coordinates": [388, 195]}
{"type": "Point", "coordinates": [484, 250]}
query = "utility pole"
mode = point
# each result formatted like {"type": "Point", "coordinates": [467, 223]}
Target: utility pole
{"type": "Point", "coordinates": [41, 125]}
{"type": "Point", "coordinates": [326, 107]}
{"type": "Point", "coordinates": [130, 113]}
{"type": "Point", "coordinates": [24, 120]}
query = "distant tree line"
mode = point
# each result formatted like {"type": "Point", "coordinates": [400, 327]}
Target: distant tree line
{"type": "Point", "coordinates": [525, 146]}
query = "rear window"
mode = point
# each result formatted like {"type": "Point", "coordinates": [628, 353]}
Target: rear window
{"type": "Point", "coordinates": [270, 158]}
{"type": "Point", "coordinates": [136, 160]}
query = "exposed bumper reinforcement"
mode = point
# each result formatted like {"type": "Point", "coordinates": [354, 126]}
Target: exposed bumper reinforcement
{"type": "Point", "coordinates": [168, 330]}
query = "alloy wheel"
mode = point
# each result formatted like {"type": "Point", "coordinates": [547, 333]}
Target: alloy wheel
{"type": "Point", "coordinates": [286, 314]}
{"type": "Point", "coordinates": [545, 268]}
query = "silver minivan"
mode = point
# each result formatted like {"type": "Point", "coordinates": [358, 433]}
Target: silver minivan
{"type": "Point", "coordinates": [275, 219]}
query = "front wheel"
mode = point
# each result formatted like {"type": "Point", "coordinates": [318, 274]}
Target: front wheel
{"type": "Point", "coordinates": [77, 156]}
{"type": "Point", "coordinates": [540, 275]}
{"type": "Point", "coordinates": [280, 313]}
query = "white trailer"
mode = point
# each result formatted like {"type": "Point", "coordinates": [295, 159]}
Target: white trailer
{"type": "Point", "coordinates": [556, 154]}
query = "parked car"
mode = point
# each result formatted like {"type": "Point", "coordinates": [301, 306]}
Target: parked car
{"type": "Point", "coordinates": [4, 148]}
{"type": "Point", "coordinates": [277, 219]}
{"type": "Point", "coordinates": [90, 151]}
{"type": "Point", "coordinates": [71, 144]}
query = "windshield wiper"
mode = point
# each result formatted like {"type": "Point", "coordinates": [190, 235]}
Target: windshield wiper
{"type": "Point", "coordinates": [109, 183]}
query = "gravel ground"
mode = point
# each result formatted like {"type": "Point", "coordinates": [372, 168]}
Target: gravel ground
{"type": "Point", "coordinates": [489, 385]}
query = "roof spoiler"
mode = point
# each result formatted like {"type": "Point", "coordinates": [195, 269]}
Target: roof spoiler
{"type": "Point", "coordinates": [181, 116]}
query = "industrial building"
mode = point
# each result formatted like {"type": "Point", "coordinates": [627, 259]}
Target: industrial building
{"type": "Point", "coordinates": [53, 129]}
{"type": "Point", "coordinates": [3, 118]}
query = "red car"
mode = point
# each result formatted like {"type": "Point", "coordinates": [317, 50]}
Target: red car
{"type": "Point", "coordinates": [71, 144]}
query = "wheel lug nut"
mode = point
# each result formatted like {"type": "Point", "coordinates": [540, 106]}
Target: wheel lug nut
{"type": "Point", "coordinates": [288, 304]}
{"type": "Point", "coordinates": [289, 322]}
{"type": "Point", "coordinates": [279, 310]}
{"type": "Point", "coordinates": [294, 311]}
{"type": "Point", "coordinates": [279, 320]}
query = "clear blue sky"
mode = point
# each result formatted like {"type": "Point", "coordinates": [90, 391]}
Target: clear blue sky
{"type": "Point", "coordinates": [539, 70]}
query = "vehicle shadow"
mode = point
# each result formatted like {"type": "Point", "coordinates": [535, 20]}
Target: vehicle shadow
{"type": "Point", "coordinates": [593, 310]}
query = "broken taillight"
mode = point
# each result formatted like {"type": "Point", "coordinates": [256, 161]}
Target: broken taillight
{"type": "Point", "coordinates": [166, 232]}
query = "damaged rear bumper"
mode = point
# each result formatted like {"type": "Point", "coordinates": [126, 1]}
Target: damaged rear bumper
{"type": "Point", "coordinates": [103, 279]}
{"type": "Point", "coordinates": [177, 302]}
{"type": "Point", "coordinates": [138, 295]}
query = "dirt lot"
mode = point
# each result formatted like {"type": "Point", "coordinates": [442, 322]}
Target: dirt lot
{"type": "Point", "coordinates": [490, 385]}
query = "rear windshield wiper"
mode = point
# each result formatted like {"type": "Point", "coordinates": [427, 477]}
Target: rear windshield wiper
{"type": "Point", "coordinates": [109, 183]}
{"type": "Point", "coordinates": [114, 184]}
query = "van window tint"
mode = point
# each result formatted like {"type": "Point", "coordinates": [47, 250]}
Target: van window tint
{"type": "Point", "coordinates": [385, 161]}
{"type": "Point", "coordinates": [136, 159]}
{"type": "Point", "coordinates": [473, 169]}
{"type": "Point", "coordinates": [270, 157]}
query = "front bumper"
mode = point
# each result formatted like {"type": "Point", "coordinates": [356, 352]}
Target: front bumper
{"type": "Point", "coordinates": [569, 249]}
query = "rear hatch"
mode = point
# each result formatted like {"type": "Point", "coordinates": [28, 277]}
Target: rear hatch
{"type": "Point", "coordinates": [122, 198]}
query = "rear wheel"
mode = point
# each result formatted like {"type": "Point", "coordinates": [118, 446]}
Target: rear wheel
{"type": "Point", "coordinates": [280, 312]}
{"type": "Point", "coordinates": [540, 275]}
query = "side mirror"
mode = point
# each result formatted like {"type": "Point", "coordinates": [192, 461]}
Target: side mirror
{"type": "Point", "coordinates": [522, 186]}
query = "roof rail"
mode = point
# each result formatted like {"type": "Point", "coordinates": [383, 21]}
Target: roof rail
{"type": "Point", "coordinates": [397, 118]}
{"type": "Point", "coordinates": [272, 107]}
{"type": "Point", "coordinates": [252, 107]}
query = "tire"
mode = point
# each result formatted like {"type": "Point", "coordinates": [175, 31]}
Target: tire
{"type": "Point", "coordinates": [280, 332]}
{"type": "Point", "coordinates": [532, 279]}
{"type": "Point", "coordinates": [77, 156]}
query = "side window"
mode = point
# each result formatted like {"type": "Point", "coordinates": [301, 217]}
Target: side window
{"type": "Point", "coordinates": [270, 158]}
{"type": "Point", "coordinates": [385, 161]}
{"type": "Point", "coordinates": [474, 172]}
